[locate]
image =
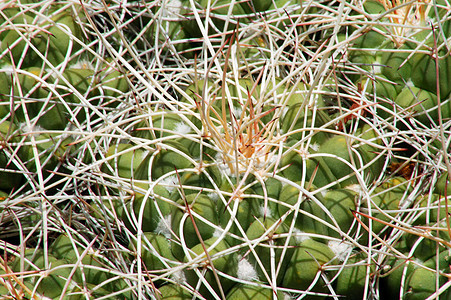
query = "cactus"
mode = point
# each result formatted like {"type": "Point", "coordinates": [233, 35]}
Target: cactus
{"type": "Point", "coordinates": [224, 149]}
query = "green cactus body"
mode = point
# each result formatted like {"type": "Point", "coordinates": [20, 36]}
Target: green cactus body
{"type": "Point", "coordinates": [255, 6]}
{"type": "Point", "coordinates": [5, 90]}
{"type": "Point", "coordinates": [61, 40]}
{"type": "Point", "coordinates": [436, 146]}
{"type": "Point", "coordinates": [52, 283]}
{"type": "Point", "coordinates": [13, 14]}
{"type": "Point", "coordinates": [367, 56]}
{"type": "Point", "coordinates": [94, 292]}
{"type": "Point", "coordinates": [218, 14]}
{"type": "Point", "coordinates": [296, 94]}
{"type": "Point", "coordinates": [272, 188]}
{"type": "Point", "coordinates": [126, 161]}
{"type": "Point", "coordinates": [170, 125]}
{"type": "Point", "coordinates": [386, 200]}
{"type": "Point", "coordinates": [340, 146]}
{"type": "Point", "coordinates": [425, 249]}
{"type": "Point", "coordinates": [63, 249]}
{"type": "Point", "coordinates": [114, 84]}
{"type": "Point", "coordinates": [397, 184]}
{"type": "Point", "coordinates": [340, 202]}
{"type": "Point", "coordinates": [53, 47]}
{"type": "Point", "coordinates": [307, 223]}
{"type": "Point", "coordinates": [304, 222]}
{"type": "Point", "coordinates": [252, 292]}
{"type": "Point", "coordinates": [153, 206]}
{"type": "Point", "coordinates": [263, 251]}
{"type": "Point", "coordinates": [380, 88]}
{"type": "Point", "coordinates": [431, 215]}
{"type": "Point", "coordinates": [162, 246]}
{"type": "Point", "coordinates": [422, 104]}
{"type": "Point", "coordinates": [422, 283]}
{"type": "Point", "coordinates": [308, 259]}
{"type": "Point", "coordinates": [226, 263]}
{"type": "Point", "coordinates": [368, 152]}
{"type": "Point", "coordinates": [398, 67]}
{"type": "Point", "coordinates": [167, 160]}
{"type": "Point", "coordinates": [222, 7]}
{"type": "Point", "coordinates": [29, 80]}
{"type": "Point", "coordinates": [369, 61]}
{"type": "Point", "coordinates": [35, 84]}
{"type": "Point", "coordinates": [243, 217]}
{"type": "Point", "coordinates": [399, 272]}
{"type": "Point", "coordinates": [53, 116]}
{"type": "Point", "coordinates": [10, 177]}
{"type": "Point", "coordinates": [443, 185]}
{"type": "Point", "coordinates": [84, 80]}
{"type": "Point", "coordinates": [201, 179]}
{"type": "Point", "coordinates": [20, 48]}
{"type": "Point", "coordinates": [425, 64]}
{"type": "Point", "coordinates": [174, 292]}
{"type": "Point", "coordinates": [246, 210]}
{"type": "Point", "coordinates": [203, 206]}
{"type": "Point", "coordinates": [4, 289]}
{"type": "Point", "coordinates": [254, 49]}
{"type": "Point", "coordinates": [300, 124]}
{"type": "Point", "coordinates": [443, 262]}
{"type": "Point", "coordinates": [374, 7]}
{"type": "Point", "coordinates": [29, 84]}
{"type": "Point", "coordinates": [173, 18]}
{"type": "Point", "coordinates": [316, 167]}
{"type": "Point", "coordinates": [337, 145]}
{"type": "Point", "coordinates": [52, 150]}
{"type": "Point", "coordinates": [351, 281]}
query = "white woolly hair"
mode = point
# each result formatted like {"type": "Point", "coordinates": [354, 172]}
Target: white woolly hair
{"type": "Point", "coordinates": [262, 212]}
{"type": "Point", "coordinates": [164, 226]}
{"type": "Point", "coordinates": [170, 182]}
{"type": "Point", "coordinates": [178, 277]}
{"type": "Point", "coordinates": [341, 249]}
{"type": "Point", "coordinates": [246, 270]}
{"type": "Point", "coordinates": [30, 129]}
{"type": "Point", "coordinates": [182, 128]}
{"type": "Point", "coordinates": [300, 236]}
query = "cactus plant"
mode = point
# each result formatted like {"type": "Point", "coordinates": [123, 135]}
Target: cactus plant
{"type": "Point", "coordinates": [224, 149]}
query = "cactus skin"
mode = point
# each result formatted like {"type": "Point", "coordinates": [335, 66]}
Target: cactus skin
{"type": "Point", "coordinates": [340, 202]}
{"type": "Point", "coordinates": [63, 249]}
{"type": "Point", "coordinates": [352, 279]}
{"type": "Point", "coordinates": [51, 285]}
{"type": "Point", "coordinates": [127, 163]}
{"type": "Point", "coordinates": [226, 264]}
{"type": "Point", "coordinates": [443, 185]}
{"type": "Point", "coordinates": [290, 196]}
{"type": "Point", "coordinates": [394, 280]}
{"type": "Point", "coordinates": [251, 292]}
{"type": "Point", "coordinates": [422, 283]}
{"type": "Point", "coordinates": [425, 64]}
{"type": "Point", "coordinates": [398, 67]}
{"type": "Point", "coordinates": [154, 205]}
{"type": "Point", "coordinates": [9, 179]}
{"type": "Point", "coordinates": [308, 259]}
{"type": "Point", "coordinates": [50, 40]}
{"type": "Point", "coordinates": [174, 292]}
{"type": "Point", "coordinates": [423, 103]}
{"type": "Point", "coordinates": [263, 251]}
{"type": "Point", "coordinates": [201, 205]}
{"type": "Point", "coordinates": [161, 245]}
